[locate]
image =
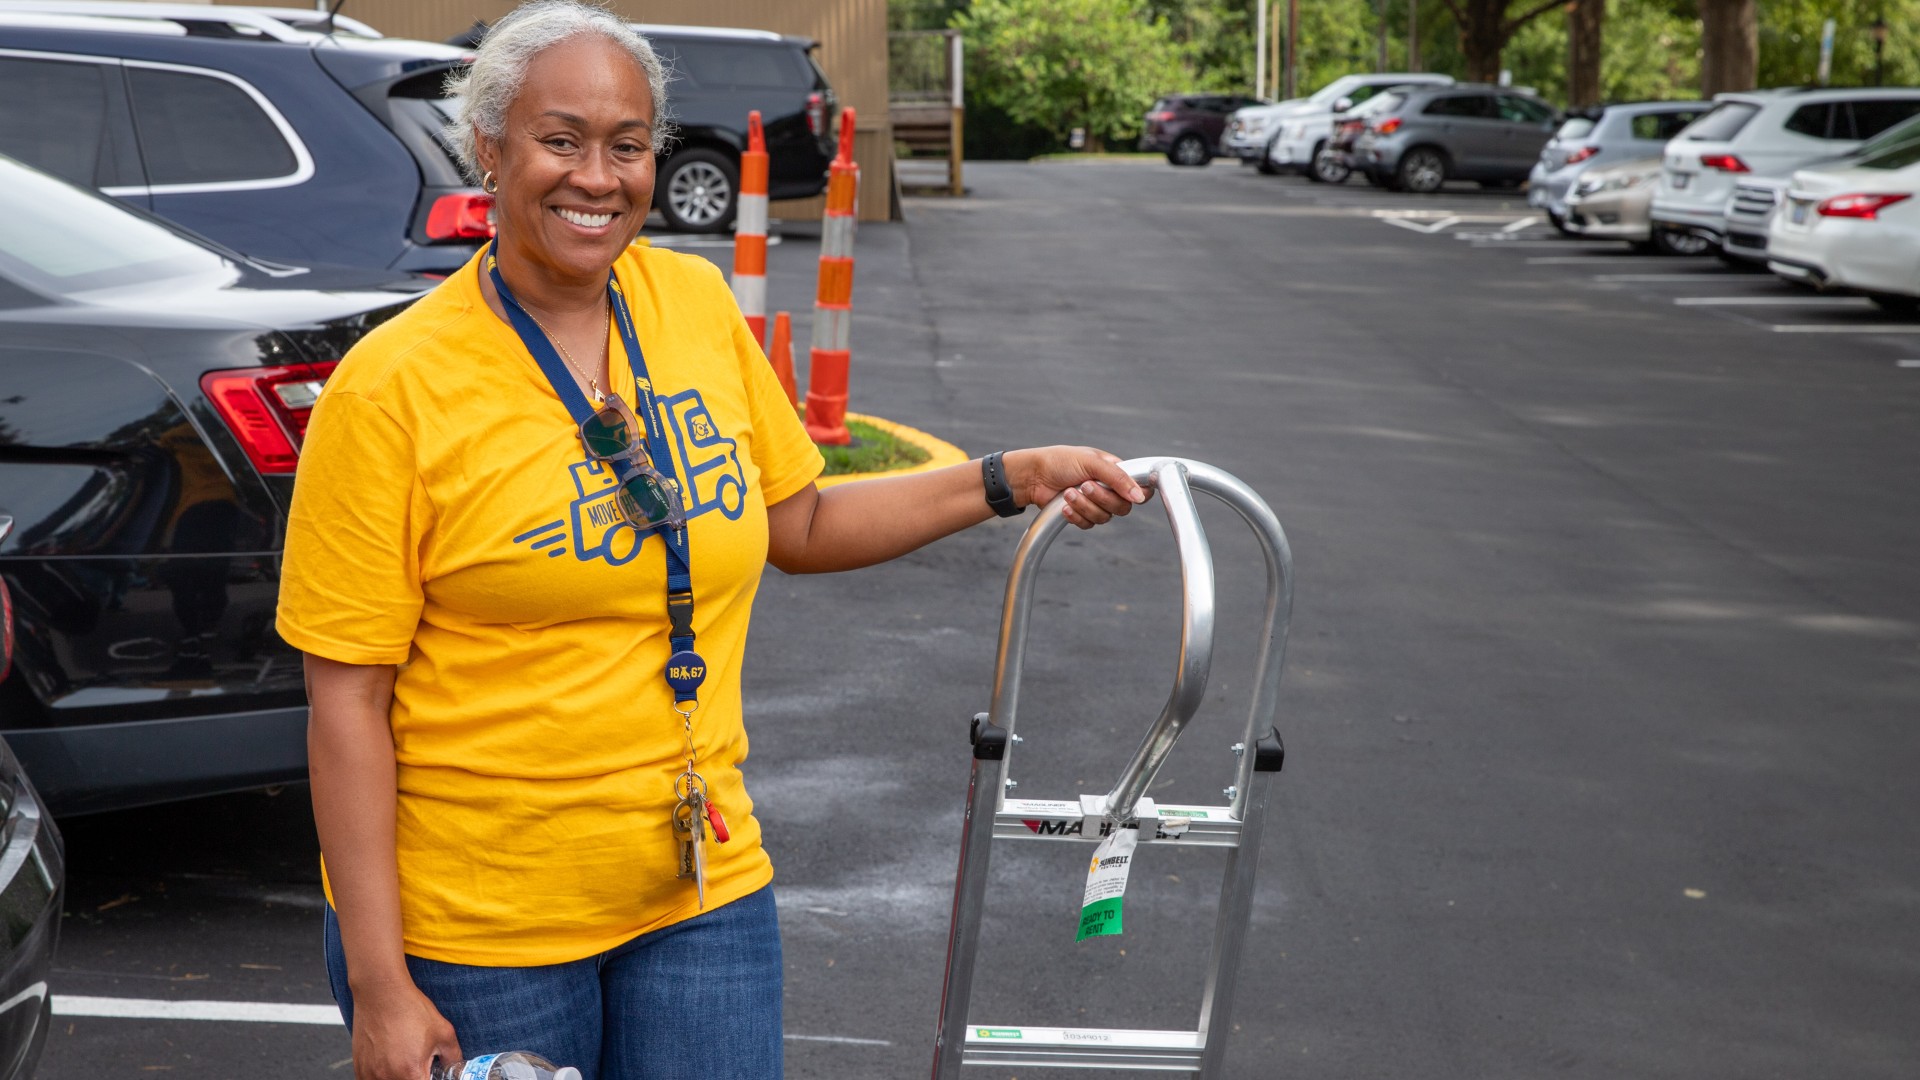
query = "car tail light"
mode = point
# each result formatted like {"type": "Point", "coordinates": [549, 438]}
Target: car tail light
{"type": "Point", "coordinates": [1388, 126]}
{"type": "Point", "coordinates": [1723, 162]}
{"type": "Point", "coordinates": [463, 215]}
{"type": "Point", "coordinates": [267, 408]}
{"type": "Point", "coordinates": [1582, 154]}
{"type": "Point", "coordinates": [1162, 116]}
{"type": "Point", "coordinates": [1857, 206]}
{"type": "Point", "coordinates": [817, 114]}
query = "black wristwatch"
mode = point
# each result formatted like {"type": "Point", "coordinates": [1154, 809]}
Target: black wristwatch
{"type": "Point", "coordinates": [994, 476]}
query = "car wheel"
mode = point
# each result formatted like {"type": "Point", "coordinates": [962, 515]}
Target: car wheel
{"type": "Point", "coordinates": [1267, 167]}
{"type": "Point", "coordinates": [698, 191]}
{"type": "Point", "coordinates": [1671, 242]}
{"type": "Point", "coordinates": [1190, 150]}
{"type": "Point", "coordinates": [1559, 224]}
{"type": "Point", "coordinates": [1894, 304]}
{"type": "Point", "coordinates": [1422, 170]}
{"type": "Point", "coordinates": [1327, 166]}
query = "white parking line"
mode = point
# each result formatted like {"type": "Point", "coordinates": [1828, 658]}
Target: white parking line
{"type": "Point", "coordinates": [1708, 276]}
{"type": "Point", "coordinates": [262, 1012]}
{"type": "Point", "coordinates": [268, 1012]}
{"type": "Point", "coordinates": [1772, 301]}
{"type": "Point", "coordinates": [1519, 242]}
{"type": "Point", "coordinates": [1414, 226]}
{"type": "Point", "coordinates": [1523, 223]}
{"type": "Point", "coordinates": [1907, 363]}
{"type": "Point", "coordinates": [1845, 328]}
{"type": "Point", "coordinates": [1601, 256]}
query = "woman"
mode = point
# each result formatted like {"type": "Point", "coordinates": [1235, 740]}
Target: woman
{"type": "Point", "coordinates": [531, 516]}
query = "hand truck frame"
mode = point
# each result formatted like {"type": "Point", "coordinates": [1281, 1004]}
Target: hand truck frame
{"type": "Point", "coordinates": [1236, 826]}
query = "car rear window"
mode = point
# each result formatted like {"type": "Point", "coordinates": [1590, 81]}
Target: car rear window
{"type": "Point", "coordinates": [65, 131]}
{"type": "Point", "coordinates": [1899, 157]}
{"type": "Point", "coordinates": [64, 241]}
{"type": "Point", "coordinates": [1379, 104]}
{"type": "Point", "coordinates": [1722, 122]}
{"type": "Point", "coordinates": [1659, 127]}
{"type": "Point", "coordinates": [418, 111]}
{"type": "Point", "coordinates": [727, 65]}
{"type": "Point", "coordinates": [198, 129]}
{"type": "Point", "coordinates": [1576, 127]}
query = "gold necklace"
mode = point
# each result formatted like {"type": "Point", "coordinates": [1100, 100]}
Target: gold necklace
{"type": "Point", "coordinates": [593, 385]}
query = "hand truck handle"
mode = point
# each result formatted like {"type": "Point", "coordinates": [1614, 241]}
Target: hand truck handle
{"type": "Point", "coordinates": [1175, 479]}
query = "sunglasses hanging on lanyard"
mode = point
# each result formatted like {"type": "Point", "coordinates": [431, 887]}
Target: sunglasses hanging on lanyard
{"type": "Point", "coordinates": [634, 445]}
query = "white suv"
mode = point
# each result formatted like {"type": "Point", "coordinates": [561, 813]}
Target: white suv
{"type": "Point", "coordinates": [1303, 130]}
{"type": "Point", "coordinates": [1768, 133]}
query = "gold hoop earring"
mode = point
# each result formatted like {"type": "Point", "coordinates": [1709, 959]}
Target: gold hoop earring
{"type": "Point", "coordinates": [488, 184]}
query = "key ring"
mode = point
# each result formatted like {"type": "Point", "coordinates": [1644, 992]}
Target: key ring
{"type": "Point", "coordinates": [689, 778]}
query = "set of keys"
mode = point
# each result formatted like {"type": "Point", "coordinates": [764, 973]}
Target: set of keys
{"type": "Point", "coordinates": [693, 815]}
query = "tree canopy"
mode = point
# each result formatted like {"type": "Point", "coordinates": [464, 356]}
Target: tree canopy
{"type": "Point", "coordinates": [1038, 68]}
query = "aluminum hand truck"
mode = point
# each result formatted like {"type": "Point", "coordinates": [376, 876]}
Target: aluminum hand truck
{"type": "Point", "coordinates": [991, 815]}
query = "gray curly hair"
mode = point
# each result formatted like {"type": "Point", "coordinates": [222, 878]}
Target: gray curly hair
{"type": "Point", "coordinates": [486, 87]}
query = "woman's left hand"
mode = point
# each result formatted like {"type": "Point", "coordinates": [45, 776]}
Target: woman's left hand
{"type": "Point", "coordinates": [1096, 488]}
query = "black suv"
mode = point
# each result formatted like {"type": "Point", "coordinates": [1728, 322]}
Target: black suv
{"type": "Point", "coordinates": [284, 143]}
{"type": "Point", "coordinates": [717, 77]}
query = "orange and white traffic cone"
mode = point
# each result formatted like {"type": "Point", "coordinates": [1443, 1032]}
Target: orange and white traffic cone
{"type": "Point", "coordinates": [781, 356]}
{"type": "Point", "coordinates": [750, 232]}
{"type": "Point", "coordinates": [833, 302]}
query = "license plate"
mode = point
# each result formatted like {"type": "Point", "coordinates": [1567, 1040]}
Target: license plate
{"type": "Point", "coordinates": [1798, 213]}
{"type": "Point", "coordinates": [1680, 180]}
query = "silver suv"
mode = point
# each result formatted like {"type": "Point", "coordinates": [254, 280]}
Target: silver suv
{"type": "Point", "coordinates": [1764, 133]}
{"type": "Point", "coordinates": [1468, 132]}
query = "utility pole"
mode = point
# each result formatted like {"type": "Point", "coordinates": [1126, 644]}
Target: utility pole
{"type": "Point", "coordinates": [1413, 35]}
{"type": "Point", "coordinates": [1260, 49]}
{"type": "Point", "coordinates": [1293, 48]}
{"type": "Point", "coordinates": [1273, 46]}
{"type": "Point", "coordinates": [1381, 64]}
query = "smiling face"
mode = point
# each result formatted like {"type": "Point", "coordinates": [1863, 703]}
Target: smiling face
{"type": "Point", "coordinates": [574, 163]}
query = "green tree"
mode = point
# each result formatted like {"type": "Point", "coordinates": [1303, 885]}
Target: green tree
{"type": "Point", "coordinates": [1061, 64]}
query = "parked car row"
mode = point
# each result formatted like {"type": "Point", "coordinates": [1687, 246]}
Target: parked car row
{"type": "Point", "coordinates": [1815, 184]}
{"type": "Point", "coordinates": [289, 138]}
{"type": "Point", "coordinates": [1408, 131]}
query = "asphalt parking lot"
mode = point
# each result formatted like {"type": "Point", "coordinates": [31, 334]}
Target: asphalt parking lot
{"type": "Point", "coordinates": [1599, 697]}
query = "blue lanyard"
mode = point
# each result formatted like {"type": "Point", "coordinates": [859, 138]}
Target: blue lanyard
{"type": "Point", "coordinates": [685, 669]}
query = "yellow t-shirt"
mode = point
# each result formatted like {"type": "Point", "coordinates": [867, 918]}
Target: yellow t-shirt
{"type": "Point", "coordinates": [445, 519]}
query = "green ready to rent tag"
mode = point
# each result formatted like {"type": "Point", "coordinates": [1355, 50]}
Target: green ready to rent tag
{"type": "Point", "coordinates": [1107, 884]}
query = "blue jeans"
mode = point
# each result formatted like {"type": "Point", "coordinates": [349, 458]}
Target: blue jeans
{"type": "Point", "coordinates": [696, 1000]}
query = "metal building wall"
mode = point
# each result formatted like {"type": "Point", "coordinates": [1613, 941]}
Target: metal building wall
{"type": "Point", "coordinates": [853, 53]}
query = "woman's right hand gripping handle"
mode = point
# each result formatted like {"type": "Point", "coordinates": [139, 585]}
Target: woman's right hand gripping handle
{"type": "Point", "coordinates": [397, 1032]}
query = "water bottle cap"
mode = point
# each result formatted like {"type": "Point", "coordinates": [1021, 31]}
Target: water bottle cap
{"type": "Point", "coordinates": [567, 1072]}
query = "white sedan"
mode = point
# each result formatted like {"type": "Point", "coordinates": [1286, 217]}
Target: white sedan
{"type": "Point", "coordinates": [1854, 228]}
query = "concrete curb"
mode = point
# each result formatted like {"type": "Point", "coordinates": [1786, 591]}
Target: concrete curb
{"type": "Point", "coordinates": [940, 452]}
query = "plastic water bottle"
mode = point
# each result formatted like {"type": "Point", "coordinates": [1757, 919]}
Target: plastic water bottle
{"type": "Point", "coordinates": [512, 1065]}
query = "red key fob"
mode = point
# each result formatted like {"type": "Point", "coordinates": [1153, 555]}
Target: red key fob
{"type": "Point", "coordinates": [720, 834]}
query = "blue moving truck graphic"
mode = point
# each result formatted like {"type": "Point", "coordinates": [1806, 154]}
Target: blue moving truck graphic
{"type": "Point", "coordinates": [706, 462]}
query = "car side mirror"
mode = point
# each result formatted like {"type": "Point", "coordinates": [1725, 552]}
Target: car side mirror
{"type": "Point", "coordinates": [1343, 104]}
